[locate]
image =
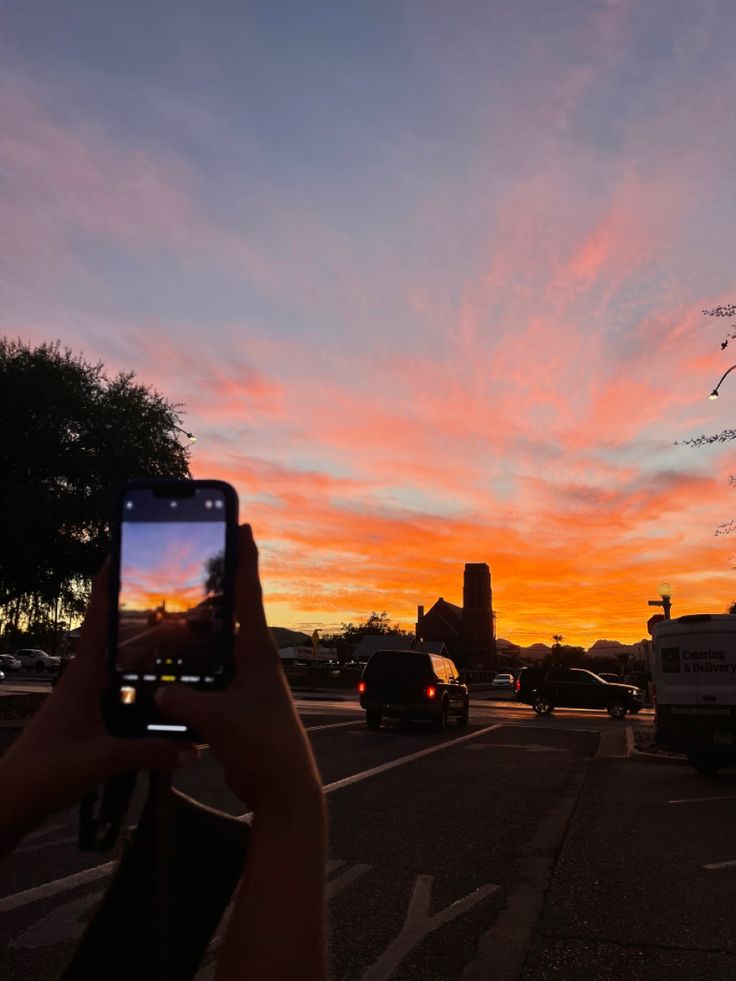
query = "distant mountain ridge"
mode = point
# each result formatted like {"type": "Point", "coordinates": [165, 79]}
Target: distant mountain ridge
{"type": "Point", "coordinates": [601, 648]}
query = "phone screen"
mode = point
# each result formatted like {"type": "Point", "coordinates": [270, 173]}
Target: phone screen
{"type": "Point", "coordinates": [174, 607]}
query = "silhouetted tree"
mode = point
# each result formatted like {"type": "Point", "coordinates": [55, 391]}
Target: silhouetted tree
{"type": "Point", "coordinates": [728, 310]}
{"type": "Point", "coordinates": [377, 623]}
{"type": "Point", "coordinates": [214, 569]}
{"type": "Point", "coordinates": [565, 655]}
{"type": "Point", "coordinates": [732, 608]}
{"type": "Point", "coordinates": [68, 436]}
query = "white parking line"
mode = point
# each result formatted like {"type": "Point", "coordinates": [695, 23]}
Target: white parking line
{"type": "Point", "coordinates": [130, 640]}
{"type": "Point", "coordinates": [419, 924]}
{"type": "Point", "coordinates": [375, 770]}
{"type": "Point", "coordinates": [333, 725]}
{"type": "Point", "coordinates": [40, 845]}
{"type": "Point", "coordinates": [721, 865]}
{"type": "Point", "coordinates": [98, 872]}
{"type": "Point", "coordinates": [58, 885]}
{"type": "Point", "coordinates": [47, 830]}
{"type": "Point", "coordinates": [346, 878]}
{"type": "Point", "coordinates": [537, 725]}
{"type": "Point", "coordinates": [697, 800]}
{"type": "Point", "coordinates": [527, 747]}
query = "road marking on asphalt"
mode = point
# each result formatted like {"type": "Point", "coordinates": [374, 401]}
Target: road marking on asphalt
{"type": "Point", "coordinates": [315, 704]}
{"type": "Point", "coordinates": [419, 924]}
{"type": "Point", "coordinates": [721, 865]}
{"type": "Point", "coordinates": [39, 845]}
{"type": "Point", "coordinates": [49, 889]}
{"type": "Point", "coordinates": [8, 903]}
{"type": "Point", "coordinates": [698, 800]}
{"type": "Point", "coordinates": [137, 637]}
{"type": "Point", "coordinates": [333, 886]}
{"type": "Point", "coordinates": [61, 925]}
{"type": "Point", "coordinates": [392, 764]}
{"type": "Point", "coordinates": [333, 725]}
{"type": "Point", "coordinates": [47, 830]}
{"type": "Point", "coordinates": [536, 725]}
{"type": "Point", "coordinates": [346, 878]}
{"type": "Point", "coordinates": [530, 748]}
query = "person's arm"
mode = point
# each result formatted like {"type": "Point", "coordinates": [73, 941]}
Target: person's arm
{"type": "Point", "coordinates": [277, 925]}
{"type": "Point", "coordinates": [65, 750]}
{"type": "Point", "coordinates": [276, 930]}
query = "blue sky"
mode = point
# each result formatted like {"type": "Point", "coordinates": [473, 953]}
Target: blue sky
{"type": "Point", "coordinates": [426, 277]}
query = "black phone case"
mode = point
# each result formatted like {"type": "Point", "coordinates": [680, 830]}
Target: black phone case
{"type": "Point", "coordinates": [114, 720]}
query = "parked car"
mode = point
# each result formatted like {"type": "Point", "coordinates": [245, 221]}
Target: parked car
{"type": "Point", "coordinates": [37, 660]}
{"type": "Point", "coordinates": [505, 681]}
{"type": "Point", "coordinates": [8, 662]}
{"type": "Point", "coordinates": [616, 679]}
{"type": "Point", "coordinates": [548, 688]}
{"type": "Point", "coordinates": [412, 685]}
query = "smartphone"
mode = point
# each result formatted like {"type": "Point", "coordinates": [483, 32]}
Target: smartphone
{"type": "Point", "coordinates": [171, 603]}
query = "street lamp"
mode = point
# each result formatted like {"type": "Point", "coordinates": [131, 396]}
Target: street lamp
{"type": "Point", "coordinates": [714, 393]}
{"type": "Point", "coordinates": [665, 591]}
{"type": "Point", "coordinates": [190, 436]}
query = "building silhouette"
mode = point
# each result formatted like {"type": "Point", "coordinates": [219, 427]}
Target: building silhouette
{"type": "Point", "coordinates": [467, 630]}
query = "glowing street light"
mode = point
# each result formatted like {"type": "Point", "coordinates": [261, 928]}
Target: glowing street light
{"type": "Point", "coordinates": [665, 591]}
{"type": "Point", "coordinates": [192, 438]}
{"type": "Point", "coordinates": [714, 393]}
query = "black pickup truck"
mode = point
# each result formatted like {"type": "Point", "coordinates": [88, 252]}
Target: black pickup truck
{"type": "Point", "coordinates": [548, 688]}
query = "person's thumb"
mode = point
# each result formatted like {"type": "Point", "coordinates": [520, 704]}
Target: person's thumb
{"type": "Point", "coordinates": [152, 754]}
{"type": "Point", "coordinates": [196, 709]}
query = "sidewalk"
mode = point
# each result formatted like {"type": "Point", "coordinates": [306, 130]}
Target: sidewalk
{"type": "Point", "coordinates": [641, 888]}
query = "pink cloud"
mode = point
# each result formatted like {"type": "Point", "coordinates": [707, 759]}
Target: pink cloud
{"type": "Point", "coordinates": [65, 181]}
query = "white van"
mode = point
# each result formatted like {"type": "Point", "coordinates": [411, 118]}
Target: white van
{"type": "Point", "coordinates": [695, 688]}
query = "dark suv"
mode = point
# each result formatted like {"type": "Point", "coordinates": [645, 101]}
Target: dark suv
{"type": "Point", "coordinates": [548, 688]}
{"type": "Point", "coordinates": [412, 685]}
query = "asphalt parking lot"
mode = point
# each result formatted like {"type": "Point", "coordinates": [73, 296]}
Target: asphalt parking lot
{"type": "Point", "coordinates": [520, 848]}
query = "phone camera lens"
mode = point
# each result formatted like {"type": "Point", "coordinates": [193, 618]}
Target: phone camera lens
{"type": "Point", "coordinates": [218, 504]}
{"type": "Point", "coordinates": [208, 504]}
{"type": "Point", "coordinates": [174, 504]}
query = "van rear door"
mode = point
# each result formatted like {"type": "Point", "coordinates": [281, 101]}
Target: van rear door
{"type": "Point", "coordinates": [695, 679]}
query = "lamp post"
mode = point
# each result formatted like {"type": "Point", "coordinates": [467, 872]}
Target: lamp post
{"type": "Point", "coordinates": [665, 591]}
{"type": "Point", "coordinates": [190, 436]}
{"type": "Point", "coordinates": [714, 393]}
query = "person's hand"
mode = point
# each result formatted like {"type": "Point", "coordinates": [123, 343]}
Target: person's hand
{"type": "Point", "coordinates": [252, 726]}
{"type": "Point", "coordinates": [66, 751]}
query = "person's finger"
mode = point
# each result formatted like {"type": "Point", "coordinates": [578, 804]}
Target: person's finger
{"type": "Point", "coordinates": [151, 754]}
{"type": "Point", "coordinates": [93, 635]}
{"type": "Point", "coordinates": [88, 671]}
{"type": "Point", "coordinates": [248, 593]}
{"type": "Point", "coordinates": [254, 644]}
{"type": "Point", "coordinates": [199, 710]}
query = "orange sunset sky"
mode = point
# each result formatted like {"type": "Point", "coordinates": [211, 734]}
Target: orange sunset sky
{"type": "Point", "coordinates": [426, 278]}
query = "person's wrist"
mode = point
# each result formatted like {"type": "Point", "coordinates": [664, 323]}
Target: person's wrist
{"type": "Point", "coordinates": [291, 805]}
{"type": "Point", "coordinates": [23, 806]}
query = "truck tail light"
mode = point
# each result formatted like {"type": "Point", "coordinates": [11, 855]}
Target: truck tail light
{"type": "Point", "coordinates": [431, 691]}
{"type": "Point", "coordinates": [361, 687]}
